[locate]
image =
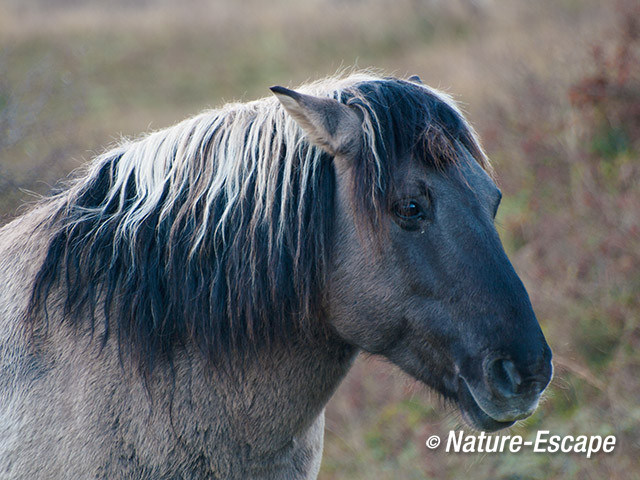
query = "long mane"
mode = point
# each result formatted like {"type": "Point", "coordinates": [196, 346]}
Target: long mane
{"type": "Point", "coordinates": [217, 231]}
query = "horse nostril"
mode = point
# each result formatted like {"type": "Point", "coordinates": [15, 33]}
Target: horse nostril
{"type": "Point", "coordinates": [503, 378]}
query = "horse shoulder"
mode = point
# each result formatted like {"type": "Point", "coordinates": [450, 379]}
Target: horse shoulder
{"type": "Point", "coordinates": [52, 421]}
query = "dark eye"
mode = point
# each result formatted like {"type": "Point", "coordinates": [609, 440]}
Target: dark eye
{"type": "Point", "coordinates": [497, 204]}
{"type": "Point", "coordinates": [408, 210]}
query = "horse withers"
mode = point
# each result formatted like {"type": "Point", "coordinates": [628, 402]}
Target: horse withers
{"type": "Point", "coordinates": [188, 305]}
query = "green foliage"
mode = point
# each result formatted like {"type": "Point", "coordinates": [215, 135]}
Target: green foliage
{"type": "Point", "coordinates": [597, 340]}
{"type": "Point", "coordinates": [609, 143]}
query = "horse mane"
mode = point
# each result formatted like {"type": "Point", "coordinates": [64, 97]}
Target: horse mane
{"type": "Point", "coordinates": [217, 231]}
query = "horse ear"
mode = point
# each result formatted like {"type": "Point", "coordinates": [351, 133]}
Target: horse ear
{"type": "Point", "coordinates": [329, 124]}
{"type": "Point", "coordinates": [415, 79]}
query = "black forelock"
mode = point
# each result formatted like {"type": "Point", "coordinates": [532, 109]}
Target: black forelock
{"type": "Point", "coordinates": [412, 122]}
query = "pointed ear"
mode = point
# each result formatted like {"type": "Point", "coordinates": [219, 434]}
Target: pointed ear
{"type": "Point", "coordinates": [328, 123]}
{"type": "Point", "coordinates": [415, 79]}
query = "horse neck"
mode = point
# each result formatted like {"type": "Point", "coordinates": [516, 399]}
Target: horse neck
{"type": "Point", "coordinates": [270, 397]}
{"type": "Point", "coordinates": [299, 378]}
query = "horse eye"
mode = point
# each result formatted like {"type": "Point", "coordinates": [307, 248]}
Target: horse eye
{"type": "Point", "coordinates": [497, 204]}
{"type": "Point", "coordinates": [409, 210]}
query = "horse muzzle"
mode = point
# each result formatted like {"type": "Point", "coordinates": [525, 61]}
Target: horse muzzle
{"type": "Point", "coordinates": [505, 393]}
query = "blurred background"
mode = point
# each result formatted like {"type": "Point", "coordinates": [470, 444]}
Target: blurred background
{"type": "Point", "coordinates": [552, 86]}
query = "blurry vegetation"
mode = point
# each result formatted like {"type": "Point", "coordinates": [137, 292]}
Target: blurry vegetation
{"type": "Point", "coordinates": [35, 141]}
{"type": "Point", "coordinates": [553, 87]}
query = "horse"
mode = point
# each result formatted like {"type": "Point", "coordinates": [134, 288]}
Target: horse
{"type": "Point", "coordinates": [186, 306]}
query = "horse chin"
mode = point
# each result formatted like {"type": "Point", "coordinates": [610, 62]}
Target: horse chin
{"type": "Point", "coordinates": [473, 414]}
